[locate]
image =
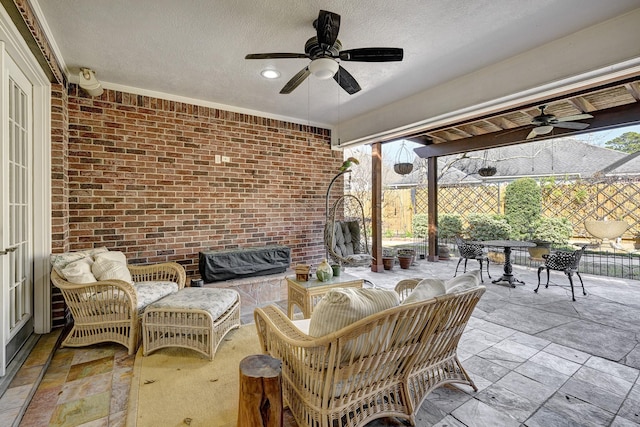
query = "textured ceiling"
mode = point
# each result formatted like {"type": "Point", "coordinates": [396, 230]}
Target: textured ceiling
{"type": "Point", "coordinates": [196, 49]}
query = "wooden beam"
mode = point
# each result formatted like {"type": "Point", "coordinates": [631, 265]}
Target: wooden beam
{"type": "Point", "coordinates": [582, 105]}
{"type": "Point", "coordinates": [376, 207]}
{"type": "Point", "coordinates": [624, 115]}
{"type": "Point", "coordinates": [432, 207]}
{"type": "Point", "coordinates": [634, 89]}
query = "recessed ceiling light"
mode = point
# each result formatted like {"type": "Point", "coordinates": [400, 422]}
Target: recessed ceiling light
{"type": "Point", "coordinates": [270, 73]}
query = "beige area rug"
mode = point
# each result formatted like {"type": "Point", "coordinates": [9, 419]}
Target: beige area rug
{"type": "Point", "coordinates": [177, 387]}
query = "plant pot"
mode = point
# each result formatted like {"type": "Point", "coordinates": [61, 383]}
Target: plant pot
{"type": "Point", "coordinates": [541, 248]}
{"type": "Point", "coordinates": [496, 257]}
{"type": "Point", "coordinates": [387, 263]}
{"type": "Point", "coordinates": [443, 252]}
{"type": "Point", "coordinates": [405, 261]}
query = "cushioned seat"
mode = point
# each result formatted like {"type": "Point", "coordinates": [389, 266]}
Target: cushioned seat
{"type": "Point", "coordinates": [195, 318]}
{"type": "Point", "coordinates": [106, 296]}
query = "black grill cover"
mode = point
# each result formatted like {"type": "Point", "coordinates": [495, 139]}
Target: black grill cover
{"type": "Point", "coordinates": [236, 263]}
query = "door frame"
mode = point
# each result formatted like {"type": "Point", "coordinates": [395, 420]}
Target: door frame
{"type": "Point", "coordinates": [14, 45]}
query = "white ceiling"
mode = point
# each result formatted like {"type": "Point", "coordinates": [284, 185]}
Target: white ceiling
{"type": "Point", "coordinates": [195, 49]}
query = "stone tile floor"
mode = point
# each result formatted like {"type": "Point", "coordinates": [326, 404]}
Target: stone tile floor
{"type": "Point", "coordinates": [538, 359]}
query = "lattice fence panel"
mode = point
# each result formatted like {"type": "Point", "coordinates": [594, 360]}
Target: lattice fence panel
{"type": "Point", "coordinates": [463, 199]}
{"type": "Point", "coordinates": [578, 201]}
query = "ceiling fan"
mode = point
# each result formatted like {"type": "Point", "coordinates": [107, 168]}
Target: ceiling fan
{"type": "Point", "coordinates": [544, 123]}
{"type": "Point", "coordinates": [324, 49]}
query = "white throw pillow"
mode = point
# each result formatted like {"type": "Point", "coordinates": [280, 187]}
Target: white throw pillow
{"type": "Point", "coordinates": [116, 256]}
{"type": "Point", "coordinates": [60, 261]}
{"type": "Point", "coordinates": [104, 268]}
{"type": "Point", "coordinates": [426, 289]}
{"type": "Point", "coordinates": [341, 307]}
{"type": "Point", "coordinates": [468, 280]}
{"type": "Point", "coordinates": [79, 271]}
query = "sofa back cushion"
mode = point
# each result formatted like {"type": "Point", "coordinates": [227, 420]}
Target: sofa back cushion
{"type": "Point", "coordinates": [463, 282]}
{"type": "Point", "coordinates": [111, 265]}
{"type": "Point", "coordinates": [341, 307]}
{"type": "Point", "coordinates": [426, 289]}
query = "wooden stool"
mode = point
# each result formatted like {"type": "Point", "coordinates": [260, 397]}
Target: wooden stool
{"type": "Point", "coordinates": [260, 392]}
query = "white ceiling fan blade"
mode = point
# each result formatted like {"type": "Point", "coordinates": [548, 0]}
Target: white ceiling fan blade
{"type": "Point", "coordinates": [576, 117]}
{"type": "Point", "coordinates": [532, 134]}
{"type": "Point", "coordinates": [572, 125]}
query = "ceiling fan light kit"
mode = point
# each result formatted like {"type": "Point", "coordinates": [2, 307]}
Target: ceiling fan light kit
{"type": "Point", "coordinates": [323, 68]}
{"type": "Point", "coordinates": [324, 49]}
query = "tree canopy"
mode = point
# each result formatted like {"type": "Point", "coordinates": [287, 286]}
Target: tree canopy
{"type": "Point", "coordinates": [628, 142]}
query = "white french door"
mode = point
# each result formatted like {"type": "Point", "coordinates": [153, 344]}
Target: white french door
{"type": "Point", "coordinates": [16, 215]}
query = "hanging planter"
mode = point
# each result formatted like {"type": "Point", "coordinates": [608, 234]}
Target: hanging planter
{"type": "Point", "coordinates": [487, 171]}
{"type": "Point", "coordinates": [404, 163]}
{"type": "Point", "coordinates": [403, 168]}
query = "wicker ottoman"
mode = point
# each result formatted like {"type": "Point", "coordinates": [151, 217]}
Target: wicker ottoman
{"type": "Point", "coordinates": [195, 318]}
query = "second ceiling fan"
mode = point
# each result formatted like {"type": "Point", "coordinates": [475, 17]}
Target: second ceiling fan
{"type": "Point", "coordinates": [544, 123]}
{"type": "Point", "coordinates": [324, 49]}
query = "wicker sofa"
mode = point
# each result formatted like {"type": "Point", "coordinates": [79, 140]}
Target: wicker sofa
{"type": "Point", "coordinates": [110, 310]}
{"type": "Point", "coordinates": [383, 365]}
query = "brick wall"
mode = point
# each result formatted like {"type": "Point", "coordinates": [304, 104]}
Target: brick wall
{"type": "Point", "coordinates": [142, 179]}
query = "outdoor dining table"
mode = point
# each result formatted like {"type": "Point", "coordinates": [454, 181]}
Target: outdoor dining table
{"type": "Point", "coordinates": [508, 276]}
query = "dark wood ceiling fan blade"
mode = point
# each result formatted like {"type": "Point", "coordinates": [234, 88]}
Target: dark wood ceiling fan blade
{"type": "Point", "coordinates": [327, 27]}
{"type": "Point", "coordinates": [571, 125]}
{"type": "Point", "coordinates": [275, 55]}
{"type": "Point", "coordinates": [346, 81]}
{"type": "Point", "coordinates": [574, 118]}
{"type": "Point", "coordinates": [295, 81]}
{"type": "Point", "coordinates": [373, 54]}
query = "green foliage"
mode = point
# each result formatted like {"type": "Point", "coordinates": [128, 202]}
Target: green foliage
{"type": "Point", "coordinates": [522, 206]}
{"type": "Point", "coordinates": [488, 227]}
{"type": "Point", "coordinates": [449, 225]}
{"type": "Point", "coordinates": [628, 142]}
{"type": "Point", "coordinates": [555, 230]}
{"type": "Point", "coordinates": [420, 225]}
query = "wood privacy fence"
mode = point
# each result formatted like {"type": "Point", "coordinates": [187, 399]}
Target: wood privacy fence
{"type": "Point", "coordinates": [613, 199]}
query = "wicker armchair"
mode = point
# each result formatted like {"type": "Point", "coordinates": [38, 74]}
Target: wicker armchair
{"type": "Point", "coordinates": [403, 353]}
{"type": "Point", "coordinates": [110, 310]}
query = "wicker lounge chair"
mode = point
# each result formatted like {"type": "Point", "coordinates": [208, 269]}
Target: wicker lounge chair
{"type": "Point", "coordinates": [403, 353]}
{"type": "Point", "coordinates": [111, 310]}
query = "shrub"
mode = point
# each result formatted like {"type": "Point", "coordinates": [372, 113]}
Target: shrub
{"type": "Point", "coordinates": [522, 206]}
{"type": "Point", "coordinates": [555, 230]}
{"type": "Point", "coordinates": [488, 227]}
{"type": "Point", "coordinates": [420, 225]}
{"type": "Point", "coordinates": [449, 225]}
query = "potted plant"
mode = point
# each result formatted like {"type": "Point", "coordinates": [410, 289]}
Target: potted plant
{"type": "Point", "coordinates": [489, 227]}
{"type": "Point", "coordinates": [406, 256]}
{"type": "Point", "coordinates": [546, 231]}
{"type": "Point", "coordinates": [388, 258]}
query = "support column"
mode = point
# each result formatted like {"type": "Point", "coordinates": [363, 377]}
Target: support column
{"type": "Point", "coordinates": [432, 206]}
{"type": "Point", "coordinates": [376, 206]}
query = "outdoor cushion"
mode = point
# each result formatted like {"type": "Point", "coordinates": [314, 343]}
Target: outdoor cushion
{"type": "Point", "coordinates": [79, 271]}
{"type": "Point", "coordinates": [60, 261]}
{"type": "Point", "coordinates": [468, 280]}
{"type": "Point", "coordinates": [149, 292]}
{"type": "Point", "coordinates": [105, 269]}
{"type": "Point", "coordinates": [426, 289]}
{"type": "Point", "coordinates": [342, 306]}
